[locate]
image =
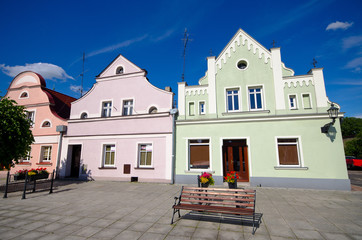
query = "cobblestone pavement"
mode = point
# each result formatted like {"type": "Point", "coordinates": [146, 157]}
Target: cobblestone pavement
{"type": "Point", "coordinates": [120, 210]}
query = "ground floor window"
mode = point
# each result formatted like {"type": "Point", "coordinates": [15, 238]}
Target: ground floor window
{"type": "Point", "coordinates": [145, 155]}
{"type": "Point", "coordinates": [199, 154]}
{"type": "Point", "coordinates": [46, 154]}
{"type": "Point", "coordinates": [26, 159]}
{"type": "Point", "coordinates": [109, 152]}
{"type": "Point", "coordinates": [288, 151]}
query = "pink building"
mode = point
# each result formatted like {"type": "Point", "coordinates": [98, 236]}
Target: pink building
{"type": "Point", "coordinates": [120, 129]}
{"type": "Point", "coordinates": [47, 109]}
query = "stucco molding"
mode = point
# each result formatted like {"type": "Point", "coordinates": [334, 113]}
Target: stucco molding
{"type": "Point", "coordinates": [298, 80]}
{"type": "Point", "coordinates": [197, 90]}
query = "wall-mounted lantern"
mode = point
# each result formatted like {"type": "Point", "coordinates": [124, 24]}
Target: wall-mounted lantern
{"type": "Point", "coordinates": [333, 114]}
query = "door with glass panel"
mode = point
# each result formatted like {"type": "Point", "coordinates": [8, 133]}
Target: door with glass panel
{"type": "Point", "coordinates": [235, 158]}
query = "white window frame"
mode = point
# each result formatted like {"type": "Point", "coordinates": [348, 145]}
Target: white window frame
{"type": "Point", "coordinates": [242, 59]}
{"type": "Point", "coordinates": [139, 154]}
{"type": "Point", "coordinates": [296, 106]}
{"type": "Point", "coordinates": [27, 159]}
{"type": "Point", "coordinates": [46, 120]}
{"type": "Point", "coordinates": [108, 108]}
{"type": "Point", "coordinates": [189, 110]}
{"type": "Point", "coordinates": [84, 112]}
{"type": "Point", "coordinates": [122, 71]}
{"type": "Point", "coordinates": [104, 145]}
{"type": "Point", "coordinates": [233, 103]}
{"type": "Point", "coordinates": [188, 169]}
{"type": "Point", "coordinates": [22, 94]}
{"type": "Point", "coordinates": [202, 111]}
{"type": "Point", "coordinates": [310, 100]}
{"type": "Point", "coordinates": [124, 106]}
{"type": "Point", "coordinates": [261, 86]}
{"type": "Point", "coordinates": [32, 125]}
{"type": "Point", "coordinates": [49, 157]}
{"type": "Point", "coordinates": [299, 149]}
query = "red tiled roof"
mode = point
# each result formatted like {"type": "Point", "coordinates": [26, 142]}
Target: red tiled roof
{"type": "Point", "coordinates": [60, 103]}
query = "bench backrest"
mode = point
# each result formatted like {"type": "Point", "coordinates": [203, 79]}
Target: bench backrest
{"type": "Point", "coordinates": [241, 198]}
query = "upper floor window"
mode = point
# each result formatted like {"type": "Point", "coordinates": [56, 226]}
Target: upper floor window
{"type": "Point", "coordinates": [232, 99]}
{"type": "Point", "coordinates": [306, 101]}
{"type": "Point", "coordinates": [145, 155]}
{"type": "Point", "coordinates": [256, 98]}
{"type": "Point", "coordinates": [288, 151]}
{"type": "Point", "coordinates": [106, 109]}
{"type": "Point", "coordinates": [152, 110]}
{"type": "Point", "coordinates": [293, 102]}
{"type": "Point", "coordinates": [84, 115]}
{"type": "Point", "coordinates": [191, 108]}
{"type": "Point", "coordinates": [46, 154]}
{"type": "Point", "coordinates": [31, 116]}
{"type": "Point", "coordinates": [119, 70]}
{"type": "Point", "coordinates": [202, 107]}
{"type": "Point", "coordinates": [46, 124]}
{"type": "Point", "coordinates": [127, 107]}
{"type": "Point", "coordinates": [24, 95]}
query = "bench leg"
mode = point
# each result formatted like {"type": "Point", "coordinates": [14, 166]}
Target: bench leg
{"type": "Point", "coordinates": [254, 227]}
{"type": "Point", "coordinates": [174, 211]}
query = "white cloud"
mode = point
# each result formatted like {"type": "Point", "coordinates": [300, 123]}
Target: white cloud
{"type": "Point", "coordinates": [351, 42]}
{"type": "Point", "coordinates": [47, 70]}
{"type": "Point", "coordinates": [354, 64]}
{"type": "Point", "coordinates": [75, 88]}
{"type": "Point", "coordinates": [339, 25]}
{"type": "Point", "coordinates": [116, 46]}
{"type": "Point", "coordinates": [167, 34]}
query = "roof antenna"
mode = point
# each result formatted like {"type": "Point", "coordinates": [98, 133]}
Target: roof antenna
{"type": "Point", "coordinates": [81, 86]}
{"type": "Point", "coordinates": [314, 63]}
{"type": "Point", "coordinates": [185, 39]}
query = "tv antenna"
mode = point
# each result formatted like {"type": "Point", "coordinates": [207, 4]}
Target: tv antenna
{"type": "Point", "coordinates": [185, 40]}
{"type": "Point", "coordinates": [81, 85]}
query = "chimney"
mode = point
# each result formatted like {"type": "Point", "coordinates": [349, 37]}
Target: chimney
{"type": "Point", "coordinates": [168, 89]}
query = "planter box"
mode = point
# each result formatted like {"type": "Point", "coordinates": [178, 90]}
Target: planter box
{"type": "Point", "coordinates": [20, 177]}
{"type": "Point", "coordinates": [39, 176]}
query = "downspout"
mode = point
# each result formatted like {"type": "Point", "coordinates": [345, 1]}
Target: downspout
{"type": "Point", "coordinates": [173, 112]}
{"type": "Point", "coordinates": [61, 129]}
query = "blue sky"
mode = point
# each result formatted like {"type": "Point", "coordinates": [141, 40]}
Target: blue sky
{"type": "Point", "coordinates": [50, 37]}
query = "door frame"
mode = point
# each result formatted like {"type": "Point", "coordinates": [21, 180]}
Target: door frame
{"type": "Point", "coordinates": [222, 157]}
{"type": "Point", "coordinates": [70, 158]}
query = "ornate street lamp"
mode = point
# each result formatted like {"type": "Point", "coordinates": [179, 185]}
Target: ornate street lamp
{"type": "Point", "coordinates": [333, 114]}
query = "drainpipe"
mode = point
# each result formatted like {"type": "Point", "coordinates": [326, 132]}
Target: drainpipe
{"type": "Point", "coordinates": [61, 129]}
{"type": "Point", "coordinates": [173, 112]}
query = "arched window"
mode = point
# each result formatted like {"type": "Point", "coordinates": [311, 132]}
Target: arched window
{"type": "Point", "coordinates": [24, 95]}
{"type": "Point", "coordinates": [152, 110]}
{"type": "Point", "coordinates": [84, 115]}
{"type": "Point", "coordinates": [119, 70]}
{"type": "Point", "coordinates": [46, 124]}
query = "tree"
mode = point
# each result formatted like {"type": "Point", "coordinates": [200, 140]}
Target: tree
{"type": "Point", "coordinates": [15, 134]}
{"type": "Point", "coordinates": [351, 127]}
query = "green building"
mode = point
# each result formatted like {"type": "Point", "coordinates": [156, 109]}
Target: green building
{"type": "Point", "coordinates": [252, 115]}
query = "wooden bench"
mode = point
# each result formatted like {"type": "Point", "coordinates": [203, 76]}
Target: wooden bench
{"type": "Point", "coordinates": [238, 202]}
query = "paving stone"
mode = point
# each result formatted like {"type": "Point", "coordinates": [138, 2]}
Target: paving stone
{"type": "Point", "coordinates": [179, 230]}
{"type": "Point", "coordinates": [140, 226]}
{"type": "Point", "coordinates": [153, 236]}
{"type": "Point", "coordinates": [229, 235]}
{"type": "Point", "coordinates": [160, 228]}
{"type": "Point", "coordinates": [87, 231]}
{"type": "Point", "coordinates": [128, 235]}
{"type": "Point", "coordinates": [51, 227]}
{"type": "Point", "coordinates": [205, 233]}
{"type": "Point", "coordinates": [335, 236]}
{"type": "Point", "coordinates": [107, 233]}
{"type": "Point", "coordinates": [308, 234]}
{"type": "Point", "coordinates": [32, 235]}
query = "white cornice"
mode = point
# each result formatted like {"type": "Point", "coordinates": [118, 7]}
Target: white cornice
{"type": "Point", "coordinates": [138, 116]}
{"type": "Point", "coordinates": [122, 76]}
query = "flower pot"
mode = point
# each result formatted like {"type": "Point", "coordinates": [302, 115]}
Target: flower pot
{"type": "Point", "coordinates": [205, 185]}
{"type": "Point", "coordinates": [233, 185]}
{"type": "Point", "coordinates": [19, 177]}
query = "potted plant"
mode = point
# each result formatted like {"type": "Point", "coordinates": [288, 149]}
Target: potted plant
{"type": "Point", "coordinates": [39, 173]}
{"type": "Point", "coordinates": [206, 179]}
{"type": "Point", "coordinates": [19, 175]}
{"type": "Point", "coordinates": [231, 178]}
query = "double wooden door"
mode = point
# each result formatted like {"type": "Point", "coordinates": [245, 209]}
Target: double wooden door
{"type": "Point", "coordinates": [235, 158]}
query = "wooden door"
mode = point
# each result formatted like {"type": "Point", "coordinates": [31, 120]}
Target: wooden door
{"type": "Point", "coordinates": [235, 158]}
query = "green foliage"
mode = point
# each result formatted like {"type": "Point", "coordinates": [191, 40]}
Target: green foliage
{"type": "Point", "coordinates": [354, 147]}
{"type": "Point", "coordinates": [351, 127]}
{"type": "Point", "coordinates": [15, 134]}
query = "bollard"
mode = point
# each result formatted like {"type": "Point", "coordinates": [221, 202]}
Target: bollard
{"type": "Point", "coordinates": [51, 184]}
{"type": "Point", "coordinates": [34, 185]}
{"type": "Point", "coordinates": [26, 181]}
{"type": "Point", "coordinates": [6, 186]}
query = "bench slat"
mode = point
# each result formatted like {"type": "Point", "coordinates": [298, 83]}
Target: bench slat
{"type": "Point", "coordinates": [230, 210]}
{"type": "Point", "coordinates": [220, 194]}
{"type": "Point", "coordinates": [222, 189]}
{"type": "Point", "coordinates": [205, 197]}
{"type": "Point", "coordinates": [220, 203]}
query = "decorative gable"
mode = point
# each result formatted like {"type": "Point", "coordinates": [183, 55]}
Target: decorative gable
{"type": "Point", "coordinates": [118, 67]}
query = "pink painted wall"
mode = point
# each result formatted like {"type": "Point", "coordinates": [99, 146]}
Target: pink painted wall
{"type": "Point", "coordinates": [37, 101]}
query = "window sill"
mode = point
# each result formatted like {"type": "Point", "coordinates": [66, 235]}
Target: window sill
{"type": "Point", "coordinates": [45, 163]}
{"type": "Point", "coordinates": [199, 171]}
{"type": "Point", "coordinates": [145, 168]}
{"type": "Point", "coordinates": [290, 168]}
{"type": "Point", "coordinates": [245, 112]}
{"type": "Point", "coordinates": [107, 168]}
{"type": "Point", "coordinates": [24, 163]}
